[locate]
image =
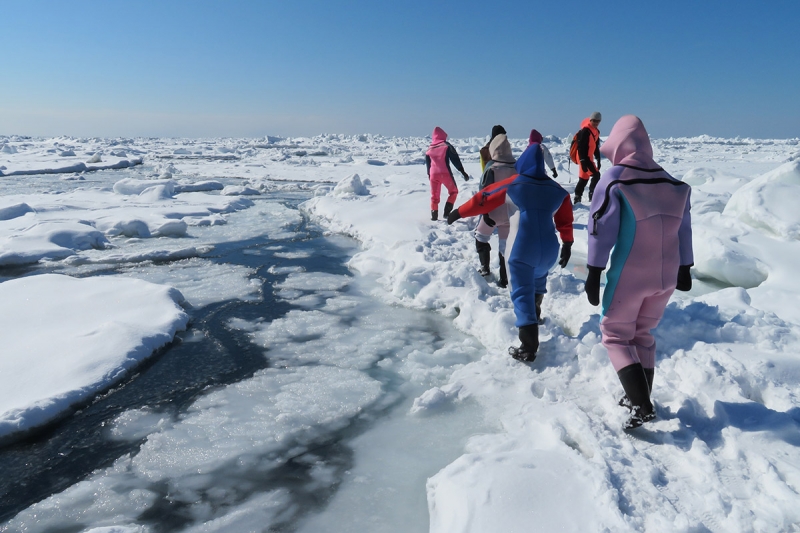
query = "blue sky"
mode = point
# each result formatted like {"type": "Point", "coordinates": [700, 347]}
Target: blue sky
{"type": "Point", "coordinates": [303, 67]}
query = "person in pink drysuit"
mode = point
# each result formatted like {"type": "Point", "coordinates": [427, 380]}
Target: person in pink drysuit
{"type": "Point", "coordinates": [643, 213]}
{"type": "Point", "coordinates": [437, 161]}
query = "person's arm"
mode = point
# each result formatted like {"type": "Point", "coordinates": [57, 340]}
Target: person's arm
{"type": "Point", "coordinates": [563, 219]}
{"type": "Point", "coordinates": [452, 155]}
{"type": "Point", "coordinates": [548, 160]}
{"type": "Point", "coordinates": [685, 248]}
{"type": "Point", "coordinates": [428, 165]}
{"type": "Point", "coordinates": [685, 234]}
{"type": "Point", "coordinates": [487, 178]}
{"type": "Point", "coordinates": [603, 232]}
{"type": "Point", "coordinates": [483, 201]}
{"type": "Point", "coordinates": [587, 165]}
{"type": "Point", "coordinates": [597, 155]}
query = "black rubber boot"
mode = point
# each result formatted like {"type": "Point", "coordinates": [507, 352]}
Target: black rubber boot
{"type": "Point", "coordinates": [503, 281]}
{"type": "Point", "coordinates": [650, 373]}
{"type": "Point", "coordinates": [592, 184]}
{"type": "Point", "coordinates": [539, 298]}
{"type": "Point", "coordinates": [434, 214]}
{"type": "Point", "coordinates": [529, 337]}
{"type": "Point", "coordinates": [447, 208]}
{"type": "Point", "coordinates": [579, 187]}
{"type": "Point", "coordinates": [483, 255]}
{"type": "Point", "coordinates": [634, 381]}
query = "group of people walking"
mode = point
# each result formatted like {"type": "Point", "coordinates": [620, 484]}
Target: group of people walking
{"type": "Point", "coordinates": [639, 219]}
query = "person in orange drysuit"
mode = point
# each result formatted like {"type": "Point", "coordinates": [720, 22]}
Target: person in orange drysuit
{"type": "Point", "coordinates": [588, 151]}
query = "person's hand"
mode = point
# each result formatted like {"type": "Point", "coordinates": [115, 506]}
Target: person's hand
{"type": "Point", "coordinates": [453, 216]}
{"type": "Point", "coordinates": [598, 165]}
{"type": "Point", "coordinates": [684, 278]}
{"type": "Point", "coordinates": [555, 174]}
{"type": "Point", "coordinates": [566, 252]}
{"type": "Point", "coordinates": [592, 287]}
{"type": "Point", "coordinates": [596, 175]}
{"type": "Point", "coordinates": [466, 176]}
{"type": "Point", "coordinates": [489, 221]}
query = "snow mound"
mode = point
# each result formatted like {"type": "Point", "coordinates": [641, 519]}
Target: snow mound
{"type": "Point", "coordinates": [351, 186]}
{"type": "Point", "coordinates": [762, 202]}
{"type": "Point", "coordinates": [133, 187]}
{"type": "Point", "coordinates": [14, 211]}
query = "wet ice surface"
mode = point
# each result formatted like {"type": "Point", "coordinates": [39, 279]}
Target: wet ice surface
{"type": "Point", "coordinates": [280, 408]}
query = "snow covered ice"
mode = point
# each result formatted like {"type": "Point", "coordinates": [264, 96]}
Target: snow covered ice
{"type": "Point", "coordinates": [386, 400]}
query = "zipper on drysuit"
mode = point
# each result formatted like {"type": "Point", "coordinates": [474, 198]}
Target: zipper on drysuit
{"type": "Point", "coordinates": [602, 209]}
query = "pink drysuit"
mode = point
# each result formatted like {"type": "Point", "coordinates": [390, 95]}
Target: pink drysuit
{"type": "Point", "coordinates": [643, 214]}
{"type": "Point", "coordinates": [437, 157]}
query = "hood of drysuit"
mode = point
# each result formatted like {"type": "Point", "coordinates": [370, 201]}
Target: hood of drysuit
{"type": "Point", "coordinates": [439, 136]}
{"type": "Point", "coordinates": [535, 137]}
{"type": "Point", "coordinates": [628, 143]}
{"type": "Point", "coordinates": [531, 162]}
{"type": "Point", "coordinates": [587, 123]}
{"type": "Point", "coordinates": [500, 149]}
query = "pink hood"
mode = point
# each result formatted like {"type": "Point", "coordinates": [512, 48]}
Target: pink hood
{"type": "Point", "coordinates": [535, 137]}
{"type": "Point", "coordinates": [439, 136]}
{"type": "Point", "coordinates": [629, 144]}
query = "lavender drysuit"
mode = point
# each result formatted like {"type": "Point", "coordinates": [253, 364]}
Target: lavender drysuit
{"type": "Point", "coordinates": [643, 214]}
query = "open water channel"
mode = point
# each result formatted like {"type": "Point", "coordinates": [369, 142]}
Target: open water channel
{"type": "Point", "coordinates": [291, 411]}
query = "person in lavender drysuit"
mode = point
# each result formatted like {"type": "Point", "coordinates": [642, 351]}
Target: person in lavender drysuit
{"type": "Point", "coordinates": [643, 213]}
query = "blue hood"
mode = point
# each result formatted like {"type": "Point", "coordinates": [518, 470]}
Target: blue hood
{"type": "Point", "coordinates": [531, 162]}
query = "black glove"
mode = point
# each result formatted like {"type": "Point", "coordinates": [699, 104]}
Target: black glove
{"type": "Point", "coordinates": [453, 216]}
{"type": "Point", "coordinates": [592, 287]}
{"type": "Point", "coordinates": [684, 278]}
{"type": "Point", "coordinates": [596, 175]}
{"type": "Point", "coordinates": [489, 221]}
{"type": "Point", "coordinates": [555, 174]}
{"type": "Point", "coordinates": [566, 251]}
{"type": "Point", "coordinates": [598, 166]}
{"type": "Point", "coordinates": [466, 176]}
{"type": "Point", "coordinates": [585, 164]}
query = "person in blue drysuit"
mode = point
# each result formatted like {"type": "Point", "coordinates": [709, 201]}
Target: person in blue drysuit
{"type": "Point", "coordinates": [537, 208]}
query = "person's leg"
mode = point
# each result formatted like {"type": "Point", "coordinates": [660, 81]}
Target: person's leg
{"type": "Point", "coordinates": [634, 382]}
{"type": "Point", "coordinates": [452, 190]}
{"type": "Point", "coordinates": [483, 232]}
{"type": "Point", "coordinates": [484, 249]}
{"type": "Point", "coordinates": [503, 281]}
{"type": "Point", "coordinates": [523, 297]}
{"type": "Point", "coordinates": [579, 187]}
{"type": "Point", "coordinates": [649, 316]}
{"type": "Point", "coordinates": [502, 238]}
{"type": "Point", "coordinates": [436, 190]}
{"type": "Point", "coordinates": [592, 184]}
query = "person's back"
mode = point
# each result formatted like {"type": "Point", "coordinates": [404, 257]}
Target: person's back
{"type": "Point", "coordinates": [537, 198]}
{"type": "Point", "coordinates": [485, 152]}
{"type": "Point", "coordinates": [643, 214]}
